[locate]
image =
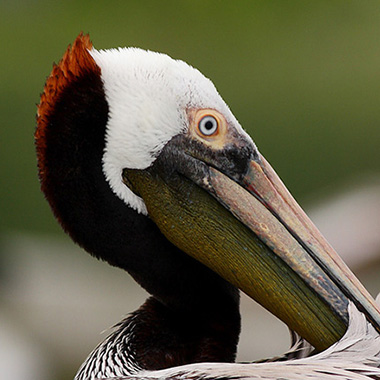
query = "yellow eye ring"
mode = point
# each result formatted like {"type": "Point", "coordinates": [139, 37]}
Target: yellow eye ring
{"type": "Point", "coordinates": [209, 126]}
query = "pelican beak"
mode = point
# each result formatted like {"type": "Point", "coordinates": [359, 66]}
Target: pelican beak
{"type": "Point", "coordinates": [274, 216]}
{"type": "Point", "coordinates": [250, 230]}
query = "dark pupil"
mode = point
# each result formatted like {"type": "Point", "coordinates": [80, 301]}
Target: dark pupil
{"type": "Point", "coordinates": [209, 125]}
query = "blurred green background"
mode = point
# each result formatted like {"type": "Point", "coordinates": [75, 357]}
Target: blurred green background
{"type": "Point", "coordinates": [303, 77]}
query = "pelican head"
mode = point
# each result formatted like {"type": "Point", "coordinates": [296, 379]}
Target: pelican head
{"type": "Point", "coordinates": [143, 163]}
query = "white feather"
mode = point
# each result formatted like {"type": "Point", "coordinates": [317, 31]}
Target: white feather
{"type": "Point", "coordinates": [148, 95]}
{"type": "Point", "coordinates": [355, 357]}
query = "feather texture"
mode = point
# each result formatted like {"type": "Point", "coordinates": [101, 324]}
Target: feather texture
{"type": "Point", "coordinates": [355, 357]}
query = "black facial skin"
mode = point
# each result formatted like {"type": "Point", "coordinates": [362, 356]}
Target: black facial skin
{"type": "Point", "coordinates": [191, 158]}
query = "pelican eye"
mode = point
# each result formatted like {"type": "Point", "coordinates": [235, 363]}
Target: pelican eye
{"type": "Point", "coordinates": [208, 125]}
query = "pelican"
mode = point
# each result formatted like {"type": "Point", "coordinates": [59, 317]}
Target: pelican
{"type": "Point", "coordinates": [145, 167]}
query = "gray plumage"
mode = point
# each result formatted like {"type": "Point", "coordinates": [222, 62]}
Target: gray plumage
{"type": "Point", "coordinates": [355, 357]}
{"type": "Point", "coordinates": [114, 357]}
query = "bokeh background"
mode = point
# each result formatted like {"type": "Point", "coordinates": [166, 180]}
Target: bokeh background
{"type": "Point", "coordinates": [303, 77]}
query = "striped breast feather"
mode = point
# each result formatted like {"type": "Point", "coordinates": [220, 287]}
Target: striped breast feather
{"type": "Point", "coordinates": [356, 356]}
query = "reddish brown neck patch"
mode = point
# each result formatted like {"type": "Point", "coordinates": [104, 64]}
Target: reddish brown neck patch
{"type": "Point", "coordinates": [75, 62]}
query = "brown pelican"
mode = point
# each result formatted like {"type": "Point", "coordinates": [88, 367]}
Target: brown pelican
{"type": "Point", "coordinates": [146, 167]}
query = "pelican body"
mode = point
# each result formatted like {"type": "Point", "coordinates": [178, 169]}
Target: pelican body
{"type": "Point", "coordinates": [146, 167]}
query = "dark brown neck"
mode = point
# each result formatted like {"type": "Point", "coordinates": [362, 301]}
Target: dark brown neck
{"type": "Point", "coordinates": [165, 338]}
